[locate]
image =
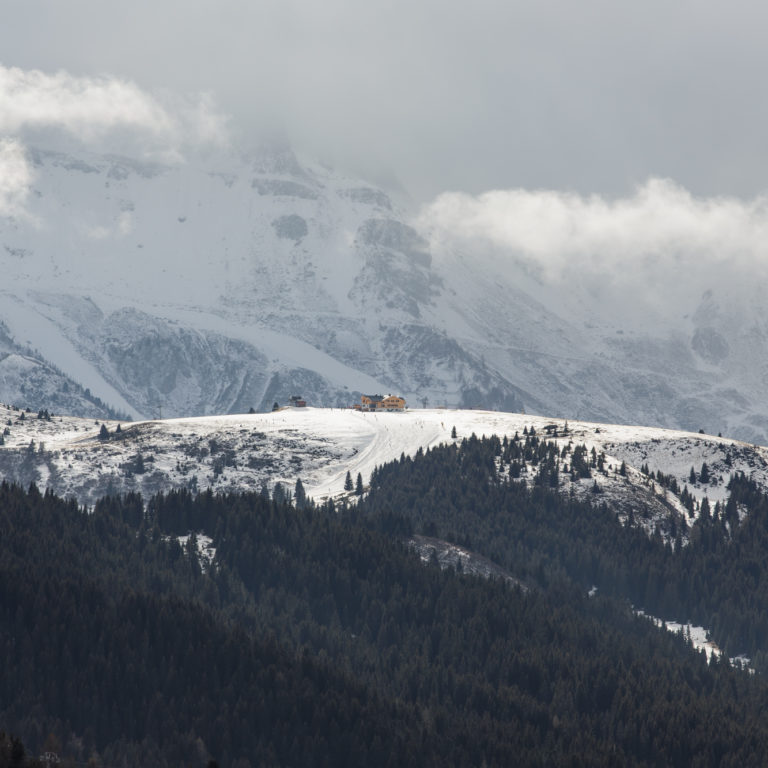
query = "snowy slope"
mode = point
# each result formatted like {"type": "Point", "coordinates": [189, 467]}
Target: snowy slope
{"type": "Point", "coordinates": [230, 282]}
{"type": "Point", "coordinates": [584, 353]}
{"type": "Point", "coordinates": [320, 445]}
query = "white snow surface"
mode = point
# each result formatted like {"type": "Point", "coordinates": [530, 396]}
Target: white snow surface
{"type": "Point", "coordinates": [699, 636]}
{"type": "Point", "coordinates": [700, 640]}
{"type": "Point", "coordinates": [206, 552]}
{"type": "Point", "coordinates": [320, 445]}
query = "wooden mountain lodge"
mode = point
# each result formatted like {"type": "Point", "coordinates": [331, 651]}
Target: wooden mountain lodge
{"type": "Point", "coordinates": [380, 403]}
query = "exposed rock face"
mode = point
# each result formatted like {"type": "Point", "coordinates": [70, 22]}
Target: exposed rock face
{"type": "Point", "coordinates": [290, 227]}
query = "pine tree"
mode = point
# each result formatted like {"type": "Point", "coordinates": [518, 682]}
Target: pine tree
{"type": "Point", "coordinates": [359, 485]}
{"type": "Point", "coordinates": [300, 494]}
{"type": "Point", "coordinates": [348, 482]}
{"type": "Point", "coordinates": [453, 432]}
{"type": "Point", "coordinates": [103, 432]}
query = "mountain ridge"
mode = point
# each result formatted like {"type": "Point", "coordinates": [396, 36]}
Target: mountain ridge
{"type": "Point", "coordinates": [629, 467]}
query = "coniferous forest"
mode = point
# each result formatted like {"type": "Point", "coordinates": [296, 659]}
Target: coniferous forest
{"type": "Point", "coordinates": [318, 636]}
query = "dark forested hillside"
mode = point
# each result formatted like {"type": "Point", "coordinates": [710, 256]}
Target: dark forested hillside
{"type": "Point", "coordinates": [469, 494]}
{"type": "Point", "coordinates": [317, 636]}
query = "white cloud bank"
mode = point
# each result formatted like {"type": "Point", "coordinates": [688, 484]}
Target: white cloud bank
{"type": "Point", "coordinates": [92, 109]}
{"type": "Point", "coordinates": [661, 240]}
{"type": "Point", "coordinates": [551, 229]}
{"type": "Point", "coordinates": [85, 106]}
{"type": "Point", "coordinates": [88, 107]}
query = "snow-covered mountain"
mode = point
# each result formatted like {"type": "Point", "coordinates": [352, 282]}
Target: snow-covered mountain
{"type": "Point", "coordinates": [188, 290]}
{"type": "Point", "coordinates": [147, 289]}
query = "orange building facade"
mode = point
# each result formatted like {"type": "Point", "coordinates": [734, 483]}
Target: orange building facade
{"type": "Point", "coordinates": [380, 403]}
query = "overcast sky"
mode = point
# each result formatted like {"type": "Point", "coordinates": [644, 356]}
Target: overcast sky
{"type": "Point", "coordinates": [588, 96]}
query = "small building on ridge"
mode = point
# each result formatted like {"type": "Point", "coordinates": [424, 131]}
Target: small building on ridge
{"type": "Point", "coordinates": [380, 403]}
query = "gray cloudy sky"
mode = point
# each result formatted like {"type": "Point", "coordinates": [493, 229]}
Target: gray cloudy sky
{"type": "Point", "coordinates": [587, 95]}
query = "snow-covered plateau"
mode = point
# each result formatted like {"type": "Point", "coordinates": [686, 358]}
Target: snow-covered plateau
{"type": "Point", "coordinates": [216, 285]}
{"type": "Point", "coordinates": [87, 458]}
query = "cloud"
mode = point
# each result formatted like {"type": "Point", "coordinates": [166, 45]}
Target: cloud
{"type": "Point", "coordinates": [15, 178]}
{"type": "Point", "coordinates": [659, 246]}
{"type": "Point", "coordinates": [551, 229]}
{"type": "Point", "coordinates": [84, 106]}
{"type": "Point", "coordinates": [91, 107]}
{"type": "Point", "coordinates": [103, 113]}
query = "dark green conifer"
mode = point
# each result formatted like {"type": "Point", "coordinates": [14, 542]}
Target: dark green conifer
{"type": "Point", "coordinates": [299, 494]}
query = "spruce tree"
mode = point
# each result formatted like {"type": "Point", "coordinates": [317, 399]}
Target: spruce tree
{"type": "Point", "coordinates": [300, 494]}
{"type": "Point", "coordinates": [348, 482]}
